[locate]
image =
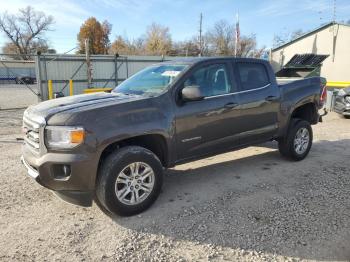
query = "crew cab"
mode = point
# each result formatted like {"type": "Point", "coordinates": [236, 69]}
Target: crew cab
{"type": "Point", "coordinates": [112, 148]}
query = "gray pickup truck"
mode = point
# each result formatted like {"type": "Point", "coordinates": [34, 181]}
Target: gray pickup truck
{"type": "Point", "coordinates": [112, 148]}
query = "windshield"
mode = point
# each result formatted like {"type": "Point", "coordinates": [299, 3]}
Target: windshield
{"type": "Point", "coordinates": [152, 80]}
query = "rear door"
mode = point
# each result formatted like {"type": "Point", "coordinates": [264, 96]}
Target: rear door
{"type": "Point", "coordinates": [259, 102]}
{"type": "Point", "coordinates": [206, 126]}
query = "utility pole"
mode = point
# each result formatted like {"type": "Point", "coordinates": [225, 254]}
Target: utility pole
{"type": "Point", "coordinates": [200, 34]}
{"type": "Point", "coordinates": [335, 28]}
{"type": "Point", "coordinates": [88, 63]}
{"type": "Point", "coordinates": [237, 35]}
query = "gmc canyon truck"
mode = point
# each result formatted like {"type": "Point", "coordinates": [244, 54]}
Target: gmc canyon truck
{"type": "Point", "coordinates": [112, 148]}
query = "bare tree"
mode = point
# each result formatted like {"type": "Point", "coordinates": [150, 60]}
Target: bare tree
{"type": "Point", "coordinates": [25, 30]}
{"type": "Point", "coordinates": [123, 46]}
{"type": "Point", "coordinates": [158, 40]}
{"type": "Point", "coordinates": [296, 34]}
{"type": "Point", "coordinates": [281, 39]}
{"type": "Point", "coordinates": [220, 38]}
{"type": "Point", "coordinates": [278, 40]}
{"type": "Point", "coordinates": [247, 47]}
{"type": "Point", "coordinates": [186, 48]}
{"type": "Point", "coordinates": [220, 41]}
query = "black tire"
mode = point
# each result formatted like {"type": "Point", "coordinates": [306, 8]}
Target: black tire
{"type": "Point", "coordinates": [286, 144]}
{"type": "Point", "coordinates": [346, 116]}
{"type": "Point", "coordinates": [112, 167]}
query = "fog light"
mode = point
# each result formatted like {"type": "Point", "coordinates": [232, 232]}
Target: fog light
{"type": "Point", "coordinates": [61, 172]}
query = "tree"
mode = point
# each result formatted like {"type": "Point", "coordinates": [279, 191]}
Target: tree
{"type": "Point", "coordinates": [220, 38]}
{"type": "Point", "coordinates": [25, 31]}
{"type": "Point", "coordinates": [98, 35]}
{"type": "Point", "coordinates": [281, 39]}
{"type": "Point", "coordinates": [278, 40]}
{"type": "Point", "coordinates": [11, 51]}
{"type": "Point", "coordinates": [120, 46]}
{"type": "Point", "coordinates": [185, 48]}
{"type": "Point", "coordinates": [158, 40]}
{"type": "Point", "coordinates": [123, 46]}
{"type": "Point", "coordinates": [107, 29]}
{"type": "Point", "coordinates": [247, 47]}
{"type": "Point", "coordinates": [296, 34]}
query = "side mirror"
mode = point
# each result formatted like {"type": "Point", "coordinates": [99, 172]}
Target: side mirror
{"type": "Point", "coordinates": [191, 93]}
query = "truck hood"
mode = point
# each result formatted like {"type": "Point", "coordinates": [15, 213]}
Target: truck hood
{"type": "Point", "coordinates": [48, 108]}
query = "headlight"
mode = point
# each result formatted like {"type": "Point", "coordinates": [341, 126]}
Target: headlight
{"type": "Point", "coordinates": [62, 137]}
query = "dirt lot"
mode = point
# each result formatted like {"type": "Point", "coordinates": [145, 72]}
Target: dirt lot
{"type": "Point", "coordinates": [245, 205]}
{"type": "Point", "coordinates": [17, 96]}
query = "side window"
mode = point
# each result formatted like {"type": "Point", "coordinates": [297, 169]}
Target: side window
{"type": "Point", "coordinates": [252, 75]}
{"type": "Point", "coordinates": [212, 80]}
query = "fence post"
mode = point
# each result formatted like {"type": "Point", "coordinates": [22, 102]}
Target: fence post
{"type": "Point", "coordinates": [49, 82]}
{"type": "Point", "coordinates": [38, 74]}
{"type": "Point", "coordinates": [116, 69]}
{"type": "Point", "coordinates": [71, 92]}
{"type": "Point", "coordinates": [127, 67]}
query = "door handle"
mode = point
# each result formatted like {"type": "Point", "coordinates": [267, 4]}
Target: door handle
{"type": "Point", "coordinates": [271, 98]}
{"type": "Point", "coordinates": [231, 105]}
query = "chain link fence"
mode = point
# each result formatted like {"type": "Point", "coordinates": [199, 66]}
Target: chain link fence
{"type": "Point", "coordinates": [74, 74]}
{"type": "Point", "coordinates": [18, 87]}
{"type": "Point", "coordinates": [23, 83]}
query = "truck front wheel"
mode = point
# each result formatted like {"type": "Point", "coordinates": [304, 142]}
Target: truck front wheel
{"type": "Point", "coordinates": [297, 144]}
{"type": "Point", "coordinates": [129, 180]}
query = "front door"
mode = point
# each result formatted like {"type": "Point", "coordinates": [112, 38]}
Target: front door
{"type": "Point", "coordinates": [205, 126]}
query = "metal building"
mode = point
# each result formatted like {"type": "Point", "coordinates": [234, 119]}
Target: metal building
{"type": "Point", "coordinates": [332, 39]}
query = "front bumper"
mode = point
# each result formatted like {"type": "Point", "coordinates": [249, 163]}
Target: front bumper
{"type": "Point", "coordinates": [77, 188]}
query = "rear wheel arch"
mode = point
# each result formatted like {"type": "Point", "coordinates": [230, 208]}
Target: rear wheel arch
{"type": "Point", "coordinates": [307, 112]}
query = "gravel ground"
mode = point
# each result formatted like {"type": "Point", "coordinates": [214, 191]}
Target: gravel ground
{"type": "Point", "coordinates": [17, 96]}
{"type": "Point", "coordinates": [241, 206]}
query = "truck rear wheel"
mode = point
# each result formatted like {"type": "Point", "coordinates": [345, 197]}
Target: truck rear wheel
{"type": "Point", "coordinates": [297, 144]}
{"type": "Point", "coordinates": [129, 181]}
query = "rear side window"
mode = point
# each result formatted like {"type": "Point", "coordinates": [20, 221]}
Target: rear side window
{"type": "Point", "coordinates": [252, 75]}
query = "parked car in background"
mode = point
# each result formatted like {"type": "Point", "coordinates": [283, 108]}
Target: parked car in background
{"type": "Point", "coordinates": [113, 147]}
{"type": "Point", "coordinates": [342, 102]}
{"type": "Point", "coordinates": [25, 80]}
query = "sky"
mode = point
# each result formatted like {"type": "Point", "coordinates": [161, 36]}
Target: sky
{"type": "Point", "coordinates": [130, 18]}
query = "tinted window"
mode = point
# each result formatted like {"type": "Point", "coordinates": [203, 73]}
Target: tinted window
{"type": "Point", "coordinates": [252, 75]}
{"type": "Point", "coordinates": [212, 80]}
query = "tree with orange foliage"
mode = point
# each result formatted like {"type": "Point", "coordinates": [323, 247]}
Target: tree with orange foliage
{"type": "Point", "coordinates": [98, 35]}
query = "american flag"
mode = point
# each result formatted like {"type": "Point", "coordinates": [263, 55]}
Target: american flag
{"type": "Point", "coordinates": [238, 33]}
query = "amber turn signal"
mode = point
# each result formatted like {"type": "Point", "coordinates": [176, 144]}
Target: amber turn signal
{"type": "Point", "coordinates": [77, 136]}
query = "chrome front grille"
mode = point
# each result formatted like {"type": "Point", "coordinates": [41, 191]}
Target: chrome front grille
{"type": "Point", "coordinates": [32, 129]}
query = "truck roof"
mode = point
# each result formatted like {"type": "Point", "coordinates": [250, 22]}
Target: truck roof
{"type": "Point", "coordinates": [194, 60]}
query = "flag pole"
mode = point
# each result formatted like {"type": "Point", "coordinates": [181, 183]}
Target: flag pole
{"type": "Point", "coordinates": [237, 34]}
